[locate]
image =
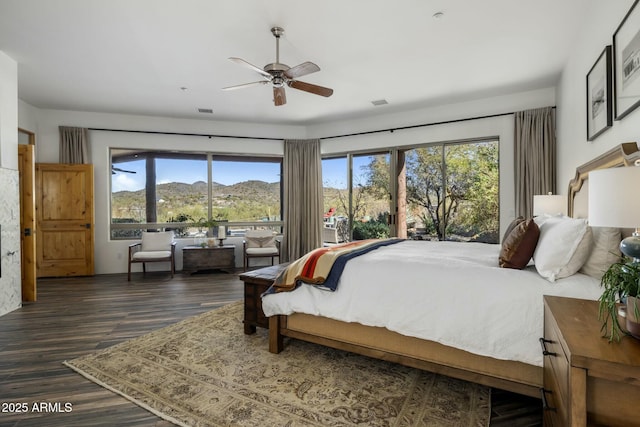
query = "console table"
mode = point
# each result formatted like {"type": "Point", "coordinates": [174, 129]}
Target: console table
{"type": "Point", "coordinates": [195, 258]}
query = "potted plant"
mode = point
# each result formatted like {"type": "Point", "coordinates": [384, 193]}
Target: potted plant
{"type": "Point", "coordinates": [621, 283]}
{"type": "Point", "coordinates": [207, 223]}
{"type": "Point", "coordinates": [201, 236]}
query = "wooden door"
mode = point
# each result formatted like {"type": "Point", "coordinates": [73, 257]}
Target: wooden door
{"type": "Point", "coordinates": [26, 166]}
{"type": "Point", "coordinates": [64, 213]}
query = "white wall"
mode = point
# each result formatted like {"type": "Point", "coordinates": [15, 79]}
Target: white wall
{"type": "Point", "coordinates": [27, 116]}
{"type": "Point", "coordinates": [10, 288]}
{"type": "Point", "coordinates": [110, 255]}
{"type": "Point", "coordinates": [603, 19]}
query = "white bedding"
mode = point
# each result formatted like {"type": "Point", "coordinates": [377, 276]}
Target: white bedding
{"type": "Point", "coordinates": [452, 293]}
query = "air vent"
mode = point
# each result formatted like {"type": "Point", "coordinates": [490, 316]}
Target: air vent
{"type": "Point", "coordinates": [379, 102]}
{"type": "Point", "coordinates": [205, 110]}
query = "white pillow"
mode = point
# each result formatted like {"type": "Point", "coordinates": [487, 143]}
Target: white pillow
{"type": "Point", "coordinates": [604, 252]}
{"type": "Point", "coordinates": [160, 241]}
{"type": "Point", "coordinates": [563, 247]}
{"type": "Point", "coordinates": [541, 219]}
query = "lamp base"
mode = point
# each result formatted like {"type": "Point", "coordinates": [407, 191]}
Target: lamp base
{"type": "Point", "coordinates": [630, 246]}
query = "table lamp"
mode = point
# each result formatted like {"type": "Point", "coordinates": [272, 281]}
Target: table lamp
{"type": "Point", "coordinates": [548, 204]}
{"type": "Point", "coordinates": [614, 202]}
{"type": "Point", "coordinates": [222, 234]}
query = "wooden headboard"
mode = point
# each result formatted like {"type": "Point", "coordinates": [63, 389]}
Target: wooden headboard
{"type": "Point", "coordinates": [626, 154]}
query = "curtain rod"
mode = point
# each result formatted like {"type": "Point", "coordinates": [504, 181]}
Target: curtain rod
{"type": "Point", "coordinates": [326, 137]}
{"type": "Point", "coordinates": [391, 130]}
{"type": "Point", "coordinates": [154, 132]}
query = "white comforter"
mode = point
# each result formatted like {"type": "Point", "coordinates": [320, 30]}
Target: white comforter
{"type": "Point", "coordinates": [452, 293]}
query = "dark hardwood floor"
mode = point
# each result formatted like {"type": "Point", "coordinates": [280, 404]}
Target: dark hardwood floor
{"type": "Point", "coordinates": [76, 316]}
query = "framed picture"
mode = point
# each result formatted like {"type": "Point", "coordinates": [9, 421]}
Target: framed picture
{"type": "Point", "coordinates": [626, 59]}
{"type": "Point", "coordinates": [599, 89]}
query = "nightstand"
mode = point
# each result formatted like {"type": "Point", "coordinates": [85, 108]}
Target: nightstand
{"type": "Point", "coordinates": [587, 379]}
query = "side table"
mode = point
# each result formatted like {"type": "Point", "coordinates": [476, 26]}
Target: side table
{"type": "Point", "coordinates": [195, 258]}
{"type": "Point", "coordinates": [256, 282]}
{"type": "Point", "coordinates": [587, 379]}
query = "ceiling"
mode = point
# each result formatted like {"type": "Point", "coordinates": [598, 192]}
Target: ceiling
{"type": "Point", "coordinates": [170, 58]}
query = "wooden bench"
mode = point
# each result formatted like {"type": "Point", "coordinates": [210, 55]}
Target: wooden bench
{"type": "Point", "coordinates": [256, 282]}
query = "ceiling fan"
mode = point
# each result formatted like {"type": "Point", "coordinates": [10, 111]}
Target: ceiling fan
{"type": "Point", "coordinates": [279, 75]}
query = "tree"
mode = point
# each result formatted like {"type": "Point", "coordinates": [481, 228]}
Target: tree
{"type": "Point", "coordinates": [481, 212]}
{"type": "Point", "coordinates": [457, 189]}
{"type": "Point", "coordinates": [425, 189]}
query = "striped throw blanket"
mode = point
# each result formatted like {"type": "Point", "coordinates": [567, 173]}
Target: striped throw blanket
{"type": "Point", "coordinates": [322, 267]}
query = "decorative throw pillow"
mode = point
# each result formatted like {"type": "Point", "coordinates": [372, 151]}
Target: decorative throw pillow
{"type": "Point", "coordinates": [519, 245]}
{"type": "Point", "coordinates": [604, 252]}
{"type": "Point", "coordinates": [260, 242]}
{"type": "Point", "coordinates": [541, 219]}
{"type": "Point", "coordinates": [563, 247]}
{"type": "Point", "coordinates": [510, 227]}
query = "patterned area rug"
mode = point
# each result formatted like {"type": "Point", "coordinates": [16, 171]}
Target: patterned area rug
{"type": "Point", "coordinates": [204, 371]}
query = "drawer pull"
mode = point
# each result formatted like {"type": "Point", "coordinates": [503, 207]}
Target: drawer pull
{"type": "Point", "coordinates": [545, 404]}
{"type": "Point", "coordinates": [543, 344]}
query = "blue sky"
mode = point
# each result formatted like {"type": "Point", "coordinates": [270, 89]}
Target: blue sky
{"type": "Point", "coordinates": [334, 172]}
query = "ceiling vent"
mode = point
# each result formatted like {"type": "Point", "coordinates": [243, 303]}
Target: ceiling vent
{"type": "Point", "coordinates": [379, 102]}
{"type": "Point", "coordinates": [205, 110]}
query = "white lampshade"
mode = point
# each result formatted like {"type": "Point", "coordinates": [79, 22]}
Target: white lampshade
{"type": "Point", "coordinates": [548, 204]}
{"type": "Point", "coordinates": [613, 197]}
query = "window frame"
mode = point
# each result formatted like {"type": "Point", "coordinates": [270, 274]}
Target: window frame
{"type": "Point", "coordinates": [393, 170]}
{"type": "Point", "coordinates": [133, 153]}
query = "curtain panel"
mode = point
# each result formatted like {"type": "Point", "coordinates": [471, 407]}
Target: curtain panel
{"type": "Point", "coordinates": [73, 145]}
{"type": "Point", "coordinates": [535, 157]}
{"type": "Point", "coordinates": [303, 200]}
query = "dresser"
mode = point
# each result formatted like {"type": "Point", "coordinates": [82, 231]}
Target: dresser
{"type": "Point", "coordinates": [195, 258]}
{"type": "Point", "coordinates": [587, 379]}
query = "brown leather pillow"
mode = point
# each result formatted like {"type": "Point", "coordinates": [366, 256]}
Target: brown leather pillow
{"type": "Point", "coordinates": [510, 227]}
{"type": "Point", "coordinates": [518, 247]}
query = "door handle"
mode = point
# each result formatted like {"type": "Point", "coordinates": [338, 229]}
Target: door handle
{"type": "Point", "coordinates": [87, 226]}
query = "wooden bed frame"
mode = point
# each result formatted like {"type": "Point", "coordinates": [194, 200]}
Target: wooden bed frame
{"type": "Point", "coordinates": [383, 344]}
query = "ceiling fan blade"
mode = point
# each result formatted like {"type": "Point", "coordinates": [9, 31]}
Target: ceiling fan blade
{"type": "Point", "coordinates": [308, 87]}
{"type": "Point", "coordinates": [279, 97]}
{"type": "Point", "coordinates": [301, 70]}
{"type": "Point", "coordinates": [251, 66]}
{"type": "Point", "coordinates": [115, 169]}
{"type": "Point", "coordinates": [263, 82]}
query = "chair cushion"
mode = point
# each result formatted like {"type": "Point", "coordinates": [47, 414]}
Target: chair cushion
{"type": "Point", "coordinates": [144, 255]}
{"type": "Point", "coordinates": [160, 241]}
{"type": "Point", "coordinates": [262, 251]}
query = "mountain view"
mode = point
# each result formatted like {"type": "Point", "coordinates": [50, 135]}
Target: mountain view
{"type": "Point", "coordinates": [176, 201]}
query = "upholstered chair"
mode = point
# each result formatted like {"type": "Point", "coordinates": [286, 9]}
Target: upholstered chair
{"type": "Point", "coordinates": [154, 247]}
{"type": "Point", "coordinates": [260, 244]}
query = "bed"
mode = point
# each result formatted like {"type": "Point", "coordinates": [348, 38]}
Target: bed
{"type": "Point", "coordinates": [447, 344]}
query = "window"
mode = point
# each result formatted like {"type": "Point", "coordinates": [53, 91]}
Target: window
{"type": "Point", "coordinates": [161, 187]}
{"type": "Point", "coordinates": [246, 191]}
{"type": "Point", "coordinates": [356, 196]}
{"type": "Point", "coordinates": [452, 191]}
{"type": "Point", "coordinates": [444, 191]}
